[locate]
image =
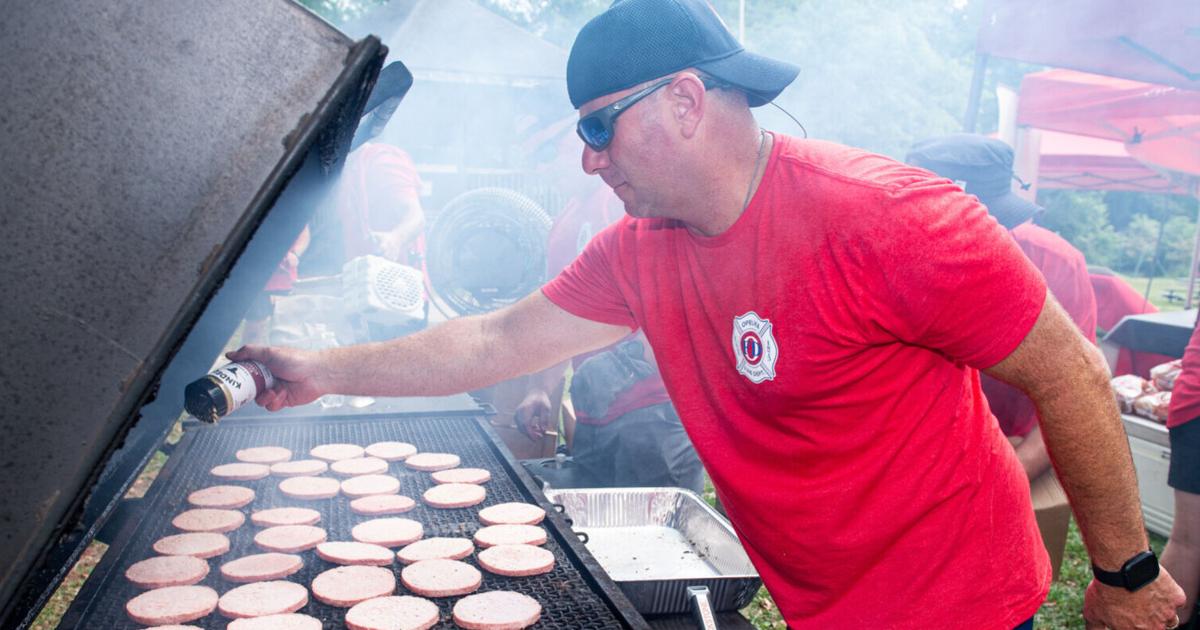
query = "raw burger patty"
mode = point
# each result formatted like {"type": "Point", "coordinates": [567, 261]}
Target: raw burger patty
{"type": "Point", "coordinates": [289, 538]}
{"type": "Point", "coordinates": [167, 571]}
{"type": "Point", "coordinates": [207, 520]}
{"type": "Point", "coordinates": [261, 567]}
{"type": "Point", "coordinates": [241, 471]}
{"type": "Point", "coordinates": [432, 461]}
{"type": "Point", "coordinates": [493, 535]}
{"type": "Point", "coordinates": [264, 455]}
{"type": "Point", "coordinates": [462, 475]}
{"type": "Point", "coordinates": [441, 578]}
{"type": "Point", "coordinates": [367, 485]}
{"type": "Point", "coordinates": [263, 598]}
{"type": "Point", "coordinates": [285, 516]}
{"type": "Point", "coordinates": [173, 604]}
{"type": "Point", "coordinates": [335, 452]}
{"type": "Point", "coordinates": [299, 468]}
{"type": "Point", "coordinates": [393, 613]}
{"type": "Point", "coordinates": [516, 560]}
{"type": "Point", "coordinates": [355, 553]}
{"type": "Point", "coordinates": [454, 495]}
{"type": "Point", "coordinates": [433, 548]}
{"type": "Point", "coordinates": [200, 545]}
{"type": "Point", "coordinates": [290, 621]}
{"type": "Point", "coordinates": [512, 514]}
{"type": "Point", "coordinates": [378, 504]}
{"type": "Point", "coordinates": [497, 610]}
{"type": "Point", "coordinates": [391, 451]}
{"type": "Point", "coordinates": [359, 466]}
{"type": "Point", "coordinates": [388, 532]}
{"type": "Point", "coordinates": [310, 488]}
{"type": "Point", "coordinates": [347, 586]}
{"type": "Point", "coordinates": [227, 497]}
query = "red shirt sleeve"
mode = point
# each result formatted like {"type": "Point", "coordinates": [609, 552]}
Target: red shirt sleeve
{"type": "Point", "coordinates": [588, 287]}
{"type": "Point", "coordinates": [953, 279]}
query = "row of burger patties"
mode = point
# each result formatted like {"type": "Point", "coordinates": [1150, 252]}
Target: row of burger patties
{"type": "Point", "coordinates": [1148, 398]}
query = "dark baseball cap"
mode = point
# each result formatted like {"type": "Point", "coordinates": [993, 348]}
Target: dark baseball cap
{"type": "Point", "coordinates": [635, 41]}
{"type": "Point", "coordinates": [985, 168]}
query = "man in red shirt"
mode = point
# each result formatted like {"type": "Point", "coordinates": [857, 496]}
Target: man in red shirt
{"type": "Point", "coordinates": [985, 168]}
{"type": "Point", "coordinates": [819, 315]}
{"type": "Point", "coordinates": [1182, 553]}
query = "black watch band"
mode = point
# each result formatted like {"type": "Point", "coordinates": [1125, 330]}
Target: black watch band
{"type": "Point", "coordinates": [1137, 572]}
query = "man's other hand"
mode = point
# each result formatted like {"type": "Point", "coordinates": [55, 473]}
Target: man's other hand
{"type": "Point", "coordinates": [1151, 607]}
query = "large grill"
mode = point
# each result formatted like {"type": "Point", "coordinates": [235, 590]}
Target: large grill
{"type": "Point", "coordinates": [576, 594]}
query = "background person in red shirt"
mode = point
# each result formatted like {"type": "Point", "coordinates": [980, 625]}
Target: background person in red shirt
{"type": "Point", "coordinates": [627, 433]}
{"type": "Point", "coordinates": [819, 315]}
{"type": "Point", "coordinates": [1182, 553]}
{"type": "Point", "coordinates": [984, 166]}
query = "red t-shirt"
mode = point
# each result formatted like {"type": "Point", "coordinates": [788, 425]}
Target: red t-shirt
{"type": "Point", "coordinates": [1065, 271]}
{"type": "Point", "coordinates": [1185, 397]}
{"type": "Point", "coordinates": [821, 354]}
{"type": "Point", "coordinates": [579, 221]}
{"type": "Point", "coordinates": [1114, 300]}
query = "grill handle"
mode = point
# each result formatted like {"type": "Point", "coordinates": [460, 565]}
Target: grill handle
{"type": "Point", "coordinates": [702, 610]}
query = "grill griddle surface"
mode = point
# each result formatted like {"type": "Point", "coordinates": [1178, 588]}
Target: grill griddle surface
{"type": "Point", "coordinates": [568, 598]}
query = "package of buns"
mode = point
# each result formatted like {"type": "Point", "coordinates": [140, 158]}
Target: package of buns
{"type": "Point", "coordinates": [1164, 374]}
{"type": "Point", "coordinates": [1153, 406]}
{"type": "Point", "coordinates": [1128, 388]}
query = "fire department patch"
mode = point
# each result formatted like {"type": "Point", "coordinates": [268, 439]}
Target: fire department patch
{"type": "Point", "coordinates": [755, 348]}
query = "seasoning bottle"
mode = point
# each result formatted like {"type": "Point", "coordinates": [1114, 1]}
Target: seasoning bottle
{"type": "Point", "coordinates": [226, 389]}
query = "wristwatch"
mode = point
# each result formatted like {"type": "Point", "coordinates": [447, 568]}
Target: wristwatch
{"type": "Point", "coordinates": [1137, 572]}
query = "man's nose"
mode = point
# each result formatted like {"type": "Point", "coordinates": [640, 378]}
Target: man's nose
{"type": "Point", "coordinates": [594, 160]}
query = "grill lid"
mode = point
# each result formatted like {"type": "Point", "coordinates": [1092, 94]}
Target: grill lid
{"type": "Point", "coordinates": [144, 145]}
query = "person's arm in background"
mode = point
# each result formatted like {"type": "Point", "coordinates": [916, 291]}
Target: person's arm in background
{"type": "Point", "coordinates": [1067, 379]}
{"type": "Point", "coordinates": [456, 356]}
{"type": "Point", "coordinates": [394, 243]}
{"type": "Point", "coordinates": [394, 202]}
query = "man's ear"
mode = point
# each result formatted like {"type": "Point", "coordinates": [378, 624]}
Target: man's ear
{"type": "Point", "coordinates": [688, 100]}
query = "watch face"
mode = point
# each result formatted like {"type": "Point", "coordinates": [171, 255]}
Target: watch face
{"type": "Point", "coordinates": [1141, 570]}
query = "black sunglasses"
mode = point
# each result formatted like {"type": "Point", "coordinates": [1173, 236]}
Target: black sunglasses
{"type": "Point", "coordinates": [596, 129]}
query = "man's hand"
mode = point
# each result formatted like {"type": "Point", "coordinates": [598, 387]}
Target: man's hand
{"type": "Point", "coordinates": [297, 375]}
{"type": "Point", "coordinates": [533, 414]}
{"type": "Point", "coordinates": [1151, 607]}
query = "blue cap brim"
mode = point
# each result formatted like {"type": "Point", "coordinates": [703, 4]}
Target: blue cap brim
{"type": "Point", "coordinates": [762, 78]}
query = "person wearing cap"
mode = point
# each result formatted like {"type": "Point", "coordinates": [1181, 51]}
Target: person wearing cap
{"type": "Point", "coordinates": [818, 314]}
{"type": "Point", "coordinates": [984, 166]}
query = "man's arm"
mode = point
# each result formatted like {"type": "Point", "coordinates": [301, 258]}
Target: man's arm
{"type": "Point", "coordinates": [456, 356]}
{"type": "Point", "coordinates": [1067, 380]}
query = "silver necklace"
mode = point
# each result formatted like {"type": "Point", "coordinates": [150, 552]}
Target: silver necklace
{"type": "Point", "coordinates": [762, 142]}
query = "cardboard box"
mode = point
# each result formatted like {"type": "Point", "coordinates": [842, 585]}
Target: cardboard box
{"type": "Point", "coordinates": [1053, 516]}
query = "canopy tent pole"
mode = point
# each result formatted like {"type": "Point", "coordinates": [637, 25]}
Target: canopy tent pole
{"type": "Point", "coordinates": [981, 61]}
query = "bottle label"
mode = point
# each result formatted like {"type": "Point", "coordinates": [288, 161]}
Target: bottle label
{"type": "Point", "coordinates": [241, 382]}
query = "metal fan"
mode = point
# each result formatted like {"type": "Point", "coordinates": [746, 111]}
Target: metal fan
{"type": "Point", "coordinates": [486, 250]}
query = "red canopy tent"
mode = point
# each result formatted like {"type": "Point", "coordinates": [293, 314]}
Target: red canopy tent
{"type": "Point", "coordinates": [1084, 163]}
{"type": "Point", "coordinates": [1159, 125]}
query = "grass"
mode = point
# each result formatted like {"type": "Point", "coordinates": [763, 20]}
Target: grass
{"type": "Point", "coordinates": [1158, 290]}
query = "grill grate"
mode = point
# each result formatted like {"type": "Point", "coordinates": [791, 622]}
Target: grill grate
{"type": "Point", "coordinates": [572, 596]}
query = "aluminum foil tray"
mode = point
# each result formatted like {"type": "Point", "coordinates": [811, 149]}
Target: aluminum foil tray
{"type": "Point", "coordinates": [656, 542]}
